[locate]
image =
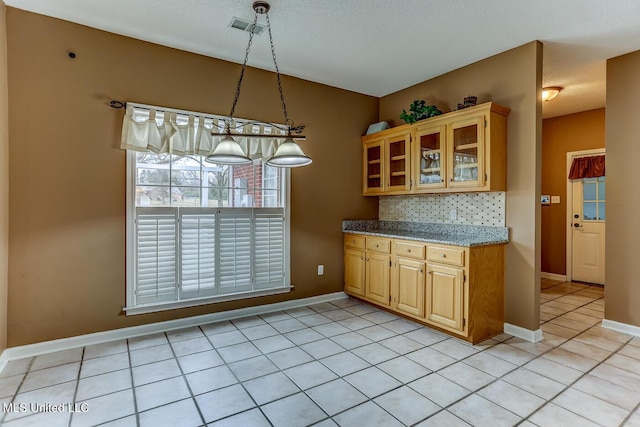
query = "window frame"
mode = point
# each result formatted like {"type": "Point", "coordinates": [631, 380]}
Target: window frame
{"type": "Point", "coordinates": [130, 304]}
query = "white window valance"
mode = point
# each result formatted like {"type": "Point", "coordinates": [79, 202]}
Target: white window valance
{"type": "Point", "coordinates": [164, 130]}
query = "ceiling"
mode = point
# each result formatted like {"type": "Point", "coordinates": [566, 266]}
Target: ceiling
{"type": "Point", "coordinates": [377, 47]}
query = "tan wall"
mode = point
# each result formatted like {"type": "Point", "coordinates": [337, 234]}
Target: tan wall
{"type": "Point", "coordinates": [511, 79]}
{"type": "Point", "coordinates": [560, 135]}
{"type": "Point", "coordinates": [622, 241]}
{"type": "Point", "coordinates": [4, 178]}
{"type": "Point", "coordinates": [67, 200]}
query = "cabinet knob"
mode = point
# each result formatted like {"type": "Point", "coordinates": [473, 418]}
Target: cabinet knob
{"type": "Point", "coordinates": [367, 259]}
{"type": "Point", "coordinates": [353, 241]}
{"type": "Point", "coordinates": [443, 255]}
{"type": "Point", "coordinates": [420, 270]}
{"type": "Point", "coordinates": [376, 245]}
{"type": "Point", "coordinates": [361, 258]}
{"type": "Point", "coordinates": [429, 272]}
{"type": "Point", "coordinates": [408, 250]}
{"type": "Point", "coordinates": [450, 179]}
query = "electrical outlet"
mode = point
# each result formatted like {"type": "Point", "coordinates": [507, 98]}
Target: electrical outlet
{"type": "Point", "coordinates": [454, 214]}
{"type": "Point", "coordinates": [320, 269]}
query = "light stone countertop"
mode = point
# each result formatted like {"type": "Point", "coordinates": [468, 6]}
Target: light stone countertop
{"type": "Point", "coordinates": [447, 234]}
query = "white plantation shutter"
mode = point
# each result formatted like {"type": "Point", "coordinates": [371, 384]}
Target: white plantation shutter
{"type": "Point", "coordinates": [269, 248]}
{"type": "Point", "coordinates": [184, 254]}
{"type": "Point", "coordinates": [235, 242]}
{"type": "Point", "coordinates": [197, 251]}
{"type": "Point", "coordinates": [155, 255]}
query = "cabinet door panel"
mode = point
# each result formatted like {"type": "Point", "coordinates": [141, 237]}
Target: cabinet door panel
{"type": "Point", "coordinates": [373, 167]}
{"type": "Point", "coordinates": [377, 278]}
{"type": "Point", "coordinates": [396, 168]}
{"type": "Point", "coordinates": [409, 289]}
{"type": "Point", "coordinates": [465, 139]}
{"type": "Point", "coordinates": [429, 154]}
{"type": "Point", "coordinates": [445, 287]}
{"type": "Point", "coordinates": [354, 271]}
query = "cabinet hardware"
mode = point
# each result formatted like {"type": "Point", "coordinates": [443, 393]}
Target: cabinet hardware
{"type": "Point", "coordinates": [409, 250]}
{"type": "Point", "coordinates": [464, 322]}
{"type": "Point", "coordinates": [360, 257]}
{"type": "Point", "coordinates": [367, 259]}
{"type": "Point", "coordinates": [376, 245]}
{"type": "Point", "coordinates": [485, 177]}
{"type": "Point", "coordinates": [420, 270]}
{"type": "Point", "coordinates": [429, 272]}
{"type": "Point", "coordinates": [353, 242]}
{"type": "Point", "coordinates": [443, 255]}
{"type": "Point", "coordinates": [390, 264]}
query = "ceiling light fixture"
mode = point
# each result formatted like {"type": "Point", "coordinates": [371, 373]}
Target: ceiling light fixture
{"type": "Point", "coordinates": [548, 93]}
{"type": "Point", "coordinates": [288, 154]}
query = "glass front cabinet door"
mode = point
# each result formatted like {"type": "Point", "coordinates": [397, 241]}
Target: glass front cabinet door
{"type": "Point", "coordinates": [397, 172]}
{"type": "Point", "coordinates": [429, 157]}
{"type": "Point", "coordinates": [373, 167]}
{"type": "Point", "coordinates": [466, 152]}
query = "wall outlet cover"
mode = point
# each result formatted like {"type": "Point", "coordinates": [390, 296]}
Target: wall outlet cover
{"type": "Point", "coordinates": [555, 199]}
{"type": "Point", "coordinates": [320, 270]}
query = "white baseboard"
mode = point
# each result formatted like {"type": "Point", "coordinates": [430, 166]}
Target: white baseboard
{"type": "Point", "coordinates": [553, 276]}
{"type": "Point", "coordinates": [522, 333]}
{"type": "Point", "coordinates": [30, 350]}
{"type": "Point", "coordinates": [621, 327]}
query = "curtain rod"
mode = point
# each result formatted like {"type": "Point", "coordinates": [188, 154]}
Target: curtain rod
{"type": "Point", "coordinates": [120, 104]}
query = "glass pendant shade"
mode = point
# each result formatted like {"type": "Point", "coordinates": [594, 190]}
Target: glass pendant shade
{"type": "Point", "coordinates": [289, 155]}
{"type": "Point", "coordinates": [228, 152]}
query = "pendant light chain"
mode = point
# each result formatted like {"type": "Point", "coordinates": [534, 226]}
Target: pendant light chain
{"type": "Point", "coordinates": [244, 66]}
{"type": "Point", "coordinates": [287, 122]}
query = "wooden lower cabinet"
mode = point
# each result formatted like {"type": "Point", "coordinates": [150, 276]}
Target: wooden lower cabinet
{"type": "Point", "coordinates": [354, 271]}
{"type": "Point", "coordinates": [408, 287]}
{"type": "Point", "coordinates": [377, 278]}
{"type": "Point", "coordinates": [445, 297]}
{"type": "Point", "coordinates": [457, 290]}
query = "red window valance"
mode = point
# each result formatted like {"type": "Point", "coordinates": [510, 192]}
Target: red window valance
{"type": "Point", "coordinates": [587, 167]}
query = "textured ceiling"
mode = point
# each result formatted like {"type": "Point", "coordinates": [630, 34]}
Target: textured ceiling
{"type": "Point", "coordinates": [377, 47]}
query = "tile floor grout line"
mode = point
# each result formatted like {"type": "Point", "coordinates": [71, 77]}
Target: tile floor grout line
{"type": "Point", "coordinates": [75, 391]}
{"type": "Point", "coordinates": [133, 389]}
{"type": "Point", "coordinates": [184, 378]}
{"type": "Point", "coordinates": [238, 382]}
{"type": "Point", "coordinates": [568, 386]}
{"type": "Point", "coordinates": [15, 394]}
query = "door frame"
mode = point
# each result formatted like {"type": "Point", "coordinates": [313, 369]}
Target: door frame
{"type": "Point", "coordinates": [569, 201]}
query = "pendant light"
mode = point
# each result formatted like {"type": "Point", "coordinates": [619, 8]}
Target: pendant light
{"type": "Point", "coordinates": [288, 154]}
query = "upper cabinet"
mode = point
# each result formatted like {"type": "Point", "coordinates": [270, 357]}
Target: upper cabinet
{"type": "Point", "coordinates": [386, 162]}
{"type": "Point", "coordinates": [465, 150]}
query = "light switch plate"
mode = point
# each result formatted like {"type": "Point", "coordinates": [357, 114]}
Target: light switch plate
{"type": "Point", "coordinates": [555, 199]}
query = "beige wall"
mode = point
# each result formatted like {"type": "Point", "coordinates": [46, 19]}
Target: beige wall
{"type": "Point", "coordinates": [511, 79]}
{"type": "Point", "coordinates": [622, 287]}
{"type": "Point", "coordinates": [560, 135]}
{"type": "Point", "coordinates": [67, 199]}
{"type": "Point", "coordinates": [4, 178]}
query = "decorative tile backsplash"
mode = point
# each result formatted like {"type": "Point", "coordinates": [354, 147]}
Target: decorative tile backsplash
{"type": "Point", "coordinates": [471, 208]}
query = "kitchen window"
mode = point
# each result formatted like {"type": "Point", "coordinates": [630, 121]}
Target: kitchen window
{"type": "Point", "coordinates": [199, 233]}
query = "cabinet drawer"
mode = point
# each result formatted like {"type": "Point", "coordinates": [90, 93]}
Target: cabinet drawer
{"type": "Point", "coordinates": [445, 255]}
{"type": "Point", "coordinates": [410, 250]}
{"type": "Point", "coordinates": [354, 241]}
{"type": "Point", "coordinates": [379, 245]}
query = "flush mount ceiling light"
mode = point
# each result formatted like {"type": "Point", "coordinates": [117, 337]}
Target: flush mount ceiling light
{"type": "Point", "coordinates": [548, 93]}
{"type": "Point", "coordinates": [288, 154]}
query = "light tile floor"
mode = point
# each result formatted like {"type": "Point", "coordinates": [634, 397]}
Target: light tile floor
{"type": "Point", "coordinates": [342, 363]}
